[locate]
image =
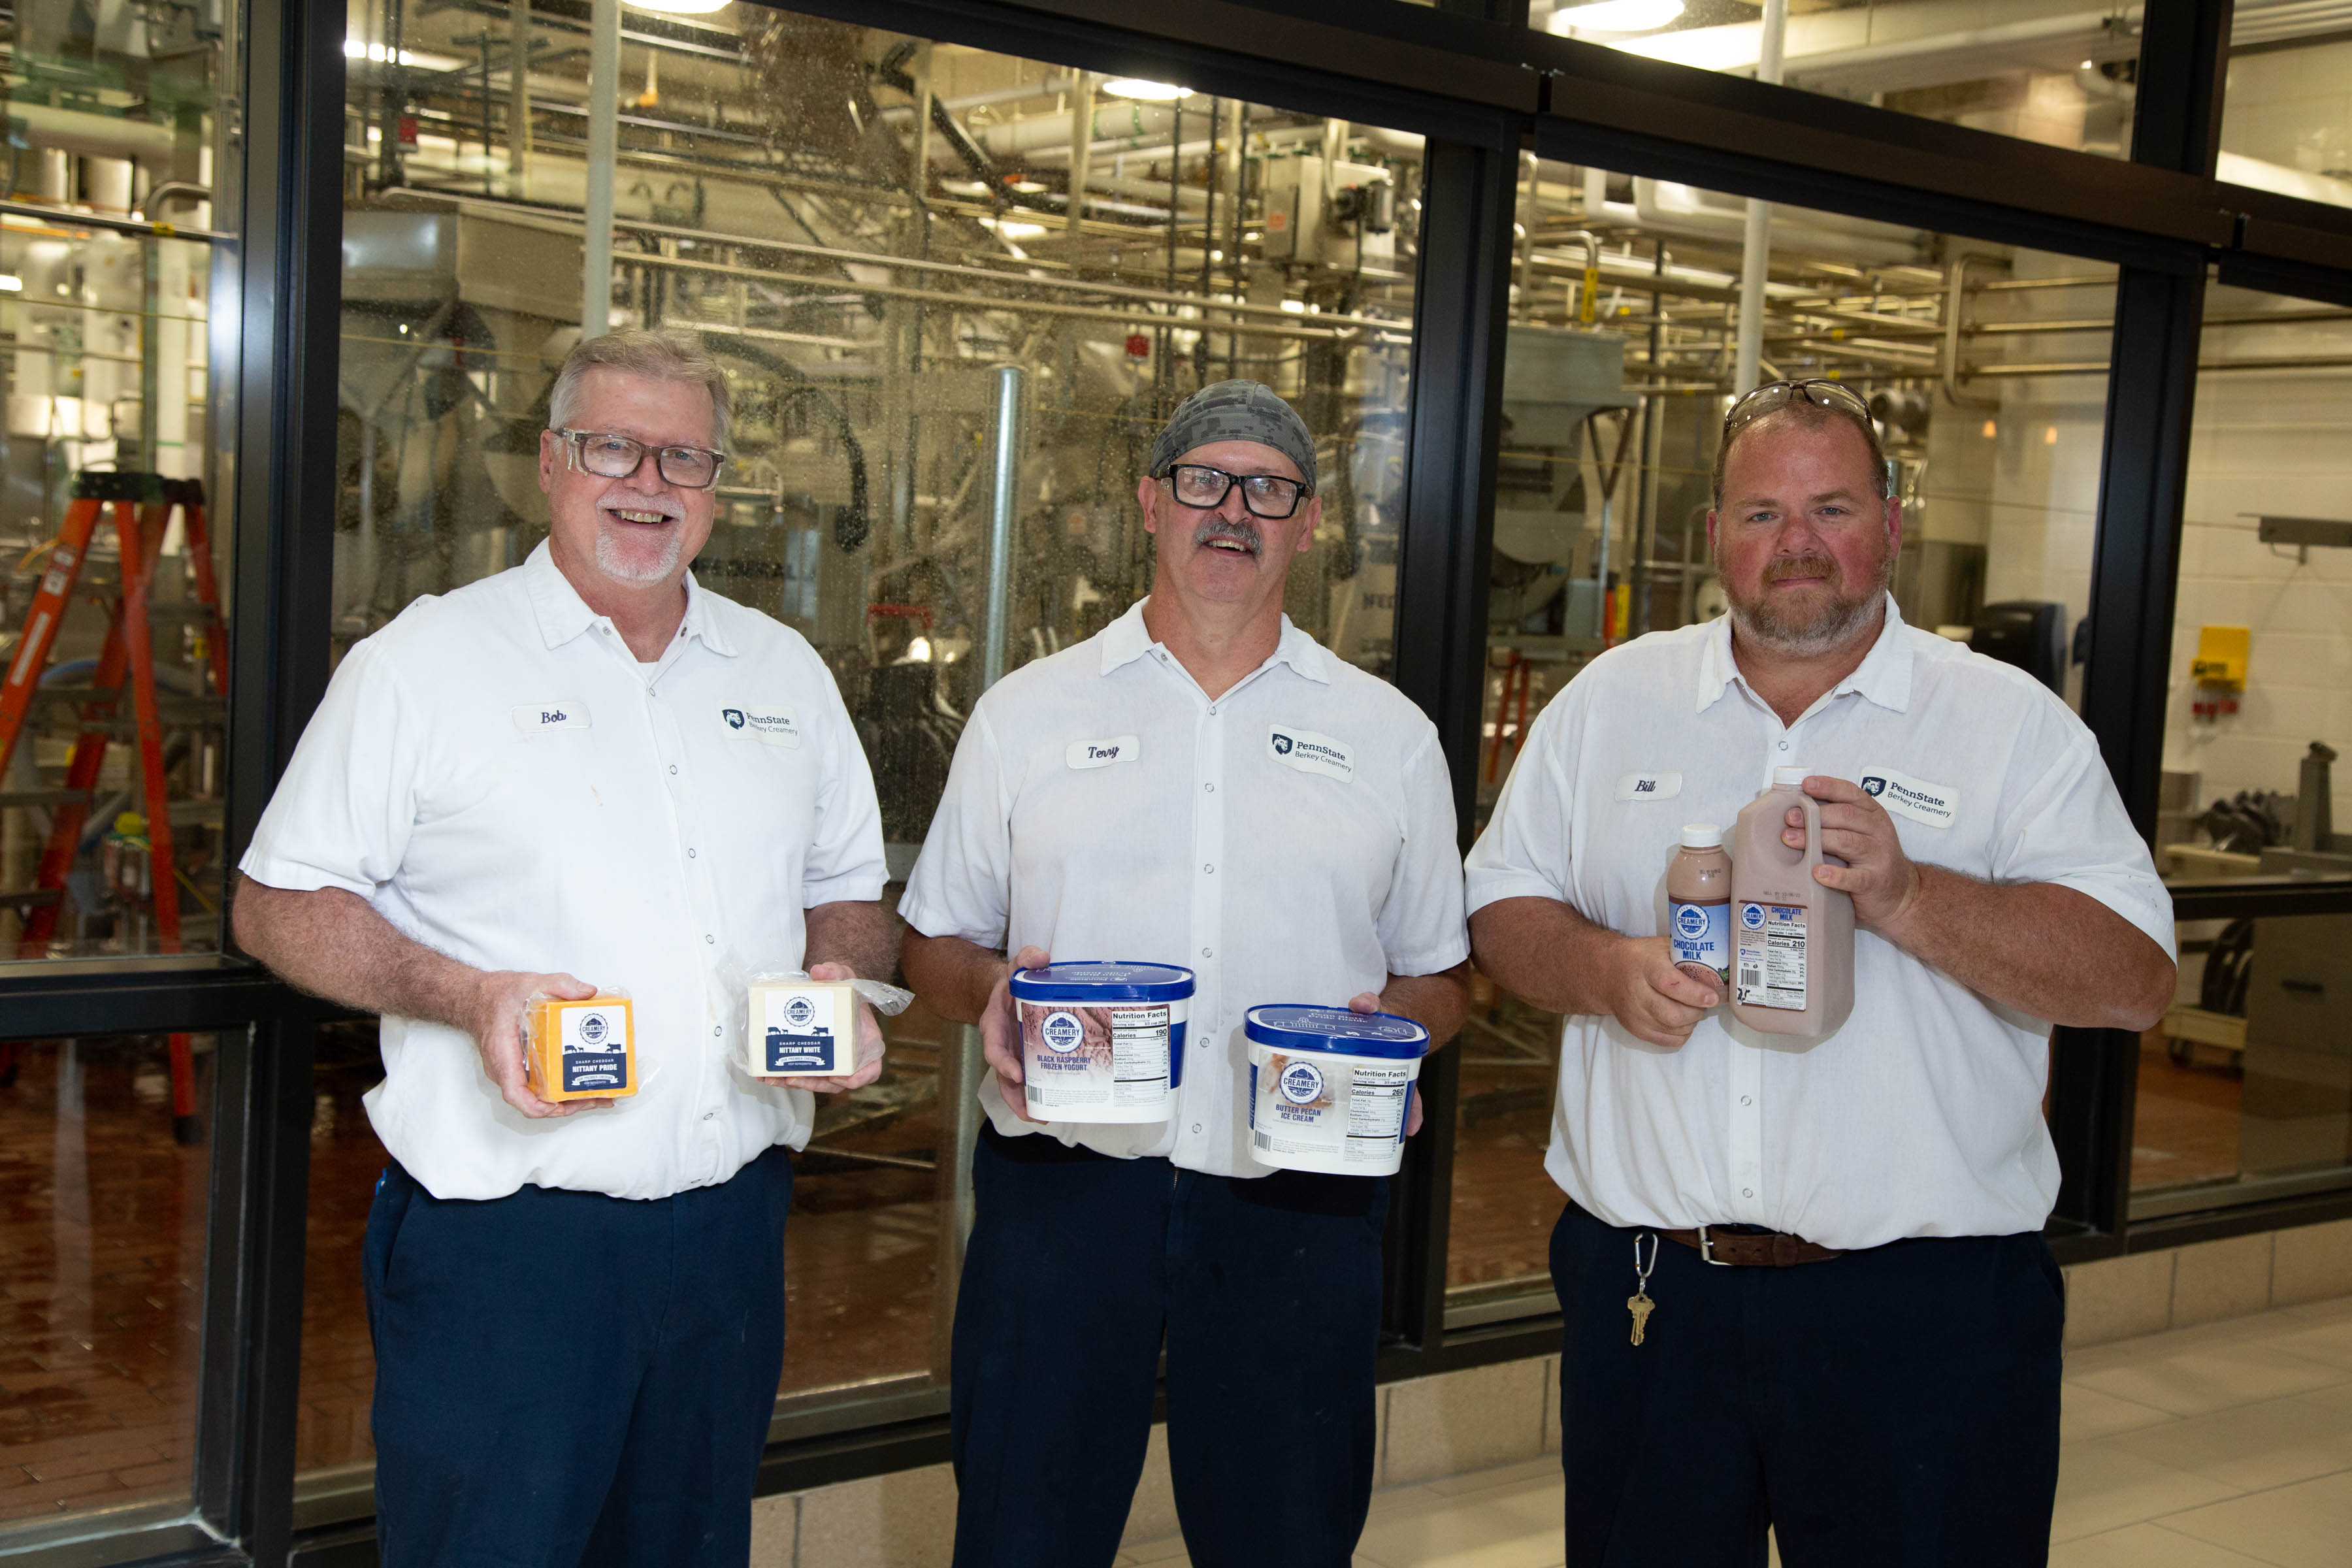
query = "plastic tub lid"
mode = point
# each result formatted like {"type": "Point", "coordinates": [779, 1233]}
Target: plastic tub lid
{"type": "Point", "coordinates": [1296, 1027]}
{"type": "Point", "coordinates": [1103, 980]}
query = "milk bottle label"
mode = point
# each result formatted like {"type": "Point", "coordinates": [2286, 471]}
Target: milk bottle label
{"type": "Point", "coordinates": [1773, 956]}
{"type": "Point", "coordinates": [1701, 933]}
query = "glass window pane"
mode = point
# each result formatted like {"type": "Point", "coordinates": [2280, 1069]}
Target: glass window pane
{"type": "Point", "coordinates": [1986, 367]}
{"type": "Point", "coordinates": [102, 1222]}
{"type": "Point", "coordinates": [110, 845]}
{"type": "Point", "coordinates": [2237, 1095]}
{"type": "Point", "coordinates": [863, 228]}
{"type": "Point", "coordinates": [2009, 66]}
{"type": "Point", "coordinates": [2286, 125]}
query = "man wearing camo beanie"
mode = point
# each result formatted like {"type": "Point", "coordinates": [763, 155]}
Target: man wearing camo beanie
{"type": "Point", "coordinates": [1201, 784]}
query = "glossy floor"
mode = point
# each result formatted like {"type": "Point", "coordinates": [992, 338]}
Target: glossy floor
{"type": "Point", "coordinates": [2223, 1446]}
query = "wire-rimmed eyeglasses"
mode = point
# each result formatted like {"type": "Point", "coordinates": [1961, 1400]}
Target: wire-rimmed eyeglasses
{"type": "Point", "coordinates": [613, 456]}
{"type": "Point", "coordinates": [1772, 395]}
{"type": "Point", "coordinates": [1200, 487]}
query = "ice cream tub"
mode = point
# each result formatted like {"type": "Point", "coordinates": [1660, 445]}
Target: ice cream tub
{"type": "Point", "coordinates": [1102, 1041]}
{"type": "Point", "coordinates": [1329, 1087]}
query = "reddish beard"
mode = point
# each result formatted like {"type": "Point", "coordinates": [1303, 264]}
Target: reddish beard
{"type": "Point", "coordinates": [1805, 628]}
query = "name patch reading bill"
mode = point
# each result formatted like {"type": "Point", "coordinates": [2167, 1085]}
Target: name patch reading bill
{"type": "Point", "coordinates": [1932, 803]}
{"type": "Point", "coordinates": [533, 717]}
{"type": "Point", "coordinates": [769, 726]}
{"type": "Point", "coordinates": [1311, 752]}
{"type": "Point", "coordinates": [1649, 786]}
{"type": "Point", "coordinates": [1103, 753]}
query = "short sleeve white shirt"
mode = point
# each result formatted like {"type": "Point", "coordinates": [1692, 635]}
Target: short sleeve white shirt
{"type": "Point", "coordinates": [1921, 1115]}
{"type": "Point", "coordinates": [503, 780]}
{"type": "Point", "coordinates": [1291, 840]}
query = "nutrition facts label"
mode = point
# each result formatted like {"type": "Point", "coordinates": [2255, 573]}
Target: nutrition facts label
{"type": "Point", "coordinates": [1376, 1111]}
{"type": "Point", "coordinates": [1773, 956]}
{"type": "Point", "coordinates": [1139, 1054]}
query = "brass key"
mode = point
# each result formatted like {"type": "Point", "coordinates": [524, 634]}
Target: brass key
{"type": "Point", "coordinates": [1639, 1302]}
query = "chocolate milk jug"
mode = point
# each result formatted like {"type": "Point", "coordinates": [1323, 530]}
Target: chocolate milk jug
{"type": "Point", "coordinates": [1793, 938]}
{"type": "Point", "coordinates": [1698, 905]}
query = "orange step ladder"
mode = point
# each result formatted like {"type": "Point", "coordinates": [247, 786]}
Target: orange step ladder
{"type": "Point", "coordinates": [142, 506]}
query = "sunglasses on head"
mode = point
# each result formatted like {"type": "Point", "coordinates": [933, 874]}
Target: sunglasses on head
{"type": "Point", "coordinates": [1772, 395]}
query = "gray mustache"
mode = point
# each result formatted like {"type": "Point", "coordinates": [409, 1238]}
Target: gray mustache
{"type": "Point", "coordinates": [1239, 533]}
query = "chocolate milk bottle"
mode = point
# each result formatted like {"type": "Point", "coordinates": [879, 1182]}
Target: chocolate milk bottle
{"type": "Point", "coordinates": [1698, 906]}
{"type": "Point", "coordinates": [1793, 938]}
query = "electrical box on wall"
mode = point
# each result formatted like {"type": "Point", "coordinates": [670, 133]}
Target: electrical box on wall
{"type": "Point", "coordinates": [1312, 214]}
{"type": "Point", "coordinates": [2218, 669]}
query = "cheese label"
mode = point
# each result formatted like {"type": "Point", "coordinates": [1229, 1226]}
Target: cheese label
{"type": "Point", "coordinates": [1311, 752]}
{"type": "Point", "coordinates": [802, 1028]}
{"type": "Point", "coordinates": [1932, 803]}
{"type": "Point", "coordinates": [534, 717]}
{"type": "Point", "coordinates": [580, 1050]}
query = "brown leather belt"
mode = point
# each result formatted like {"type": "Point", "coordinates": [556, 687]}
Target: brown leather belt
{"type": "Point", "coordinates": [1749, 1249]}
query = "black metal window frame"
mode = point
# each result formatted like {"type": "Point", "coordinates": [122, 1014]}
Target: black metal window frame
{"type": "Point", "coordinates": [1482, 87]}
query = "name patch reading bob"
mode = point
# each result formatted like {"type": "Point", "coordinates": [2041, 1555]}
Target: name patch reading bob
{"type": "Point", "coordinates": [534, 717]}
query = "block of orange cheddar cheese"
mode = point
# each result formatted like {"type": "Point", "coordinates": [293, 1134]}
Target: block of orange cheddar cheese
{"type": "Point", "coordinates": [580, 1050]}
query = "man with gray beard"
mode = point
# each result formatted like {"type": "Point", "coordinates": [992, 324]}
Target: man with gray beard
{"type": "Point", "coordinates": [1871, 1371]}
{"type": "Point", "coordinates": [584, 775]}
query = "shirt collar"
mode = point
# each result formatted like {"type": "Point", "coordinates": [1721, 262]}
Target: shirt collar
{"type": "Point", "coordinates": [1127, 640]}
{"type": "Point", "coordinates": [563, 615]}
{"type": "Point", "coordinates": [1884, 675]}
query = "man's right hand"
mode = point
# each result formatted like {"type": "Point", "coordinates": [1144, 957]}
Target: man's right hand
{"type": "Point", "coordinates": [999, 1032]}
{"type": "Point", "coordinates": [1654, 999]}
{"type": "Point", "coordinates": [497, 1029]}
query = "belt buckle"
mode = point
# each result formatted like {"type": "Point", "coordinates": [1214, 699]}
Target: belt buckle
{"type": "Point", "coordinates": [1706, 1248]}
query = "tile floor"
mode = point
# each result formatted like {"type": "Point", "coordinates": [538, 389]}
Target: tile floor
{"type": "Point", "coordinates": [2223, 1446]}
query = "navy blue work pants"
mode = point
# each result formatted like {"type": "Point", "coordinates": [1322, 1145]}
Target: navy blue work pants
{"type": "Point", "coordinates": [566, 1378]}
{"type": "Point", "coordinates": [1269, 1294]}
{"type": "Point", "coordinates": [1892, 1408]}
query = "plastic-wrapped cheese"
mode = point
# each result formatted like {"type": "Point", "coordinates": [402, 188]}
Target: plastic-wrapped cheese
{"type": "Point", "coordinates": [580, 1050]}
{"type": "Point", "coordinates": [801, 1029]}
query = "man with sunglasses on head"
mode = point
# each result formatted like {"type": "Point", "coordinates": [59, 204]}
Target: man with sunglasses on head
{"type": "Point", "coordinates": [1853, 1323]}
{"type": "Point", "coordinates": [586, 773]}
{"type": "Point", "coordinates": [1143, 795]}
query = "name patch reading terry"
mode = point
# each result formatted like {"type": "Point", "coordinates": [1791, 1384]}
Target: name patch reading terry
{"type": "Point", "coordinates": [1311, 752]}
{"type": "Point", "coordinates": [1103, 753]}
{"type": "Point", "coordinates": [533, 717]}
{"type": "Point", "coordinates": [1933, 803]}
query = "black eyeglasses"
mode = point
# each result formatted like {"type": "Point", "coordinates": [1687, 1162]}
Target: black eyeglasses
{"type": "Point", "coordinates": [1774, 395]}
{"type": "Point", "coordinates": [616, 458]}
{"type": "Point", "coordinates": [1266, 495]}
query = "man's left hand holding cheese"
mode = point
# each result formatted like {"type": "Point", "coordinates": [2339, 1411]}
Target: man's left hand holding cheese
{"type": "Point", "coordinates": [1202, 785]}
{"type": "Point", "coordinates": [586, 773]}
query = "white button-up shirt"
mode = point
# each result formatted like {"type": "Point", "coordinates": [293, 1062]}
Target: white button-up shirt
{"type": "Point", "coordinates": [1921, 1116]}
{"type": "Point", "coordinates": [1291, 840]}
{"type": "Point", "coordinates": [503, 780]}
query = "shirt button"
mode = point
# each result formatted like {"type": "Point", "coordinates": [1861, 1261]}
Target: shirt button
{"type": "Point", "coordinates": [710, 1116]}
{"type": "Point", "coordinates": [1196, 1126]}
{"type": "Point", "coordinates": [1747, 1191]}
{"type": "Point", "coordinates": [1208, 952]}
{"type": "Point", "coordinates": [1784, 746]}
{"type": "Point", "coordinates": [690, 854]}
{"type": "Point", "coordinates": [1208, 870]}
{"type": "Point", "coordinates": [1213, 713]}
{"type": "Point", "coordinates": [1746, 1100]}
{"type": "Point", "coordinates": [1210, 788]}
{"type": "Point", "coordinates": [708, 938]}
{"type": "Point", "coordinates": [717, 1028]}
{"type": "Point", "coordinates": [673, 767]}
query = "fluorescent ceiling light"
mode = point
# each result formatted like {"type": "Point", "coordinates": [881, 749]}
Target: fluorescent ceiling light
{"type": "Point", "coordinates": [1150, 91]}
{"type": "Point", "coordinates": [1616, 16]}
{"type": "Point", "coordinates": [679, 8]}
{"type": "Point", "coordinates": [919, 650]}
{"type": "Point", "coordinates": [374, 53]}
{"type": "Point", "coordinates": [1012, 228]}
{"type": "Point", "coordinates": [1294, 307]}
{"type": "Point", "coordinates": [11, 284]}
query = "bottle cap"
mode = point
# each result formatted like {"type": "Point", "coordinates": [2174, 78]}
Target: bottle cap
{"type": "Point", "coordinates": [1789, 778]}
{"type": "Point", "coordinates": [1702, 835]}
